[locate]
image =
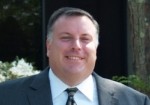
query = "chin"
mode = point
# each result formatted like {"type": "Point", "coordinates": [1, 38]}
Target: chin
{"type": "Point", "coordinates": [76, 70]}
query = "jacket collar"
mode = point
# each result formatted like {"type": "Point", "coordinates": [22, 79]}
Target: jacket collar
{"type": "Point", "coordinates": [106, 92]}
{"type": "Point", "coordinates": [39, 92]}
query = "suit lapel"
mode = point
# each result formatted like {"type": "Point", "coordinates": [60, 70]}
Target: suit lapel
{"type": "Point", "coordinates": [39, 92]}
{"type": "Point", "coordinates": [105, 91]}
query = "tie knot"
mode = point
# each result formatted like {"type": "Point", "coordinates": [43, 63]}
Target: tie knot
{"type": "Point", "coordinates": [71, 91]}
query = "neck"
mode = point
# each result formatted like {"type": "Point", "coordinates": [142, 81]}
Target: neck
{"type": "Point", "coordinates": [74, 80]}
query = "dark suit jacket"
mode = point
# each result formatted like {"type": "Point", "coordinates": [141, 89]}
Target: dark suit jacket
{"type": "Point", "coordinates": [35, 90]}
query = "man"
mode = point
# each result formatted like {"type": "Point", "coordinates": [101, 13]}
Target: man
{"type": "Point", "coordinates": [72, 41]}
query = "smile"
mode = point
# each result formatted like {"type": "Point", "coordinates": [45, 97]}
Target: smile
{"type": "Point", "coordinates": [74, 58]}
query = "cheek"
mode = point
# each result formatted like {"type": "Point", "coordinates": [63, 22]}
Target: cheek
{"type": "Point", "coordinates": [91, 49]}
{"type": "Point", "coordinates": [91, 52]}
{"type": "Point", "coordinates": [93, 55]}
{"type": "Point", "coordinates": [55, 50]}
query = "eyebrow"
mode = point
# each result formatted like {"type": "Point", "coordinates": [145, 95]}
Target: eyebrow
{"type": "Point", "coordinates": [67, 33]}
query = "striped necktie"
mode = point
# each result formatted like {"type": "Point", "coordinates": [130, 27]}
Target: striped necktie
{"type": "Point", "coordinates": [71, 92]}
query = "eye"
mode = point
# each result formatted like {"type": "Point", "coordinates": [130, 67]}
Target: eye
{"type": "Point", "coordinates": [65, 38]}
{"type": "Point", "coordinates": [86, 39]}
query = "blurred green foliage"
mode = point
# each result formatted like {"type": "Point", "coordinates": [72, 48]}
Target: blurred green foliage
{"type": "Point", "coordinates": [135, 82]}
{"type": "Point", "coordinates": [20, 30]}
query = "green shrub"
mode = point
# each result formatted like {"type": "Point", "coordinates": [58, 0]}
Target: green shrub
{"type": "Point", "coordinates": [16, 69]}
{"type": "Point", "coordinates": [135, 82]}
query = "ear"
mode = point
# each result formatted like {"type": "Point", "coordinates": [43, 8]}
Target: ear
{"type": "Point", "coordinates": [48, 47]}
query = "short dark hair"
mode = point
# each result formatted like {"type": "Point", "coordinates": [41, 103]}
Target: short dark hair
{"type": "Point", "coordinates": [69, 11]}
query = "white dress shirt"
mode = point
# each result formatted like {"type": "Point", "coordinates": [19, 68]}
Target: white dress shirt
{"type": "Point", "coordinates": [86, 94]}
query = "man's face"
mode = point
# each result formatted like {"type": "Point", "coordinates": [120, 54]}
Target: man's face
{"type": "Point", "coordinates": [72, 50]}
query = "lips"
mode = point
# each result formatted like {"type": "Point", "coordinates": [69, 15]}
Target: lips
{"type": "Point", "coordinates": [74, 58]}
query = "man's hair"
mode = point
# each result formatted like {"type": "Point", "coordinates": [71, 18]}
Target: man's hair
{"type": "Point", "coordinates": [69, 11]}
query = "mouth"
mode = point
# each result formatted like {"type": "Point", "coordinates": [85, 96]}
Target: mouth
{"type": "Point", "coordinates": [75, 58]}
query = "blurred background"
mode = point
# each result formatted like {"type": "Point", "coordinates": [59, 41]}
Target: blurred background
{"type": "Point", "coordinates": [124, 34]}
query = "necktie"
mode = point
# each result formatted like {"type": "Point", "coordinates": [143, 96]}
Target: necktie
{"type": "Point", "coordinates": [71, 92]}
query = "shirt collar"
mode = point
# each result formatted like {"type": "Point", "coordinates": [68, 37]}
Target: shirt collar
{"type": "Point", "coordinates": [55, 83]}
{"type": "Point", "coordinates": [87, 87]}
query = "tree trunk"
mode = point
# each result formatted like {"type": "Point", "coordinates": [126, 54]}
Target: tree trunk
{"type": "Point", "coordinates": [139, 20]}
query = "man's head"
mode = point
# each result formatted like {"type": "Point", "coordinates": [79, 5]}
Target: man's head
{"type": "Point", "coordinates": [69, 11]}
{"type": "Point", "coordinates": [72, 41]}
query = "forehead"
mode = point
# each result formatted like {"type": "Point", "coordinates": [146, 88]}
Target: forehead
{"type": "Point", "coordinates": [74, 23]}
{"type": "Point", "coordinates": [73, 17]}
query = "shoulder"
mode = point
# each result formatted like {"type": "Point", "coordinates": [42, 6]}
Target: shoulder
{"type": "Point", "coordinates": [17, 90]}
{"type": "Point", "coordinates": [16, 84]}
{"type": "Point", "coordinates": [14, 90]}
{"type": "Point", "coordinates": [24, 82]}
{"type": "Point", "coordinates": [119, 90]}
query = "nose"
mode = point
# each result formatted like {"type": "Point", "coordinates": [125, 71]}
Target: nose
{"type": "Point", "coordinates": [76, 45]}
